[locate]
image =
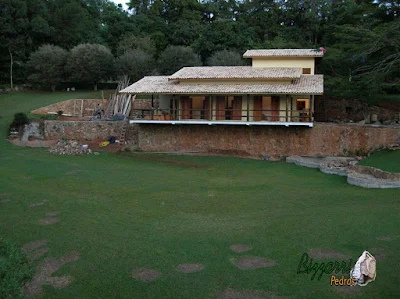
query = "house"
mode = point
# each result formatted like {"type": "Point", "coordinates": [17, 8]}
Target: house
{"type": "Point", "coordinates": [278, 89]}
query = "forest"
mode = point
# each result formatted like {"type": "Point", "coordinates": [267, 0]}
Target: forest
{"type": "Point", "coordinates": [45, 42]}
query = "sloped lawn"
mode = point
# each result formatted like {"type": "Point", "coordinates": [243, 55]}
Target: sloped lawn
{"type": "Point", "coordinates": [388, 160]}
{"type": "Point", "coordinates": [104, 219]}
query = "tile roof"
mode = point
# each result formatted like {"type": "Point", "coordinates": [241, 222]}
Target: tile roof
{"type": "Point", "coordinates": [283, 53]}
{"type": "Point", "coordinates": [306, 84]}
{"type": "Point", "coordinates": [235, 72]}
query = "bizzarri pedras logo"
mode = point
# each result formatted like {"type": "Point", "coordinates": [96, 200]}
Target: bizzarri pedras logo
{"type": "Point", "coordinates": [361, 273]}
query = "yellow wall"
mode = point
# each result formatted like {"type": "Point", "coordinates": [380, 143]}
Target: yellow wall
{"type": "Point", "coordinates": [241, 81]}
{"type": "Point", "coordinates": [303, 62]}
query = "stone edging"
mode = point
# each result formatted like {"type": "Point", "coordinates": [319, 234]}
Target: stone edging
{"type": "Point", "coordinates": [362, 176]}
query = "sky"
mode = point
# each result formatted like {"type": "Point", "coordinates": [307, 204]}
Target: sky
{"type": "Point", "coordinates": [121, 2]}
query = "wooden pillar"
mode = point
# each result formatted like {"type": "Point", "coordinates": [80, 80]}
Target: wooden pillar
{"type": "Point", "coordinates": [173, 107]}
{"type": "Point", "coordinates": [210, 107]}
{"type": "Point", "coordinates": [312, 108]}
{"type": "Point", "coordinates": [287, 108]}
{"type": "Point", "coordinates": [248, 107]}
{"type": "Point", "coordinates": [291, 108]}
{"type": "Point", "coordinates": [152, 106]}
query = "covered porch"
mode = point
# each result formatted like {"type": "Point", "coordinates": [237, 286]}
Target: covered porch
{"type": "Point", "coordinates": [236, 109]}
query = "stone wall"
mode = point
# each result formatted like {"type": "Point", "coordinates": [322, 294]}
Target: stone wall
{"type": "Point", "coordinates": [82, 130]}
{"type": "Point", "coordinates": [73, 107]}
{"type": "Point", "coordinates": [142, 104]}
{"type": "Point", "coordinates": [346, 110]}
{"type": "Point", "coordinates": [324, 139]}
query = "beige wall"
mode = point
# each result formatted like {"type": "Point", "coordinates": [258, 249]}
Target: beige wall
{"type": "Point", "coordinates": [303, 62]}
{"type": "Point", "coordinates": [241, 81]}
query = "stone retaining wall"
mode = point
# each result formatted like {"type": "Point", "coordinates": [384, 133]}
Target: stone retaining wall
{"type": "Point", "coordinates": [324, 139]}
{"type": "Point", "coordinates": [80, 130]}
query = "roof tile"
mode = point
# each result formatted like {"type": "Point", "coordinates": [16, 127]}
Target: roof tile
{"type": "Point", "coordinates": [306, 84]}
{"type": "Point", "coordinates": [283, 53]}
{"type": "Point", "coordinates": [235, 72]}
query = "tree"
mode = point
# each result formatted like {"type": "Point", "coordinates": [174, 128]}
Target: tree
{"type": "Point", "coordinates": [175, 57]}
{"type": "Point", "coordinates": [225, 58]}
{"type": "Point", "coordinates": [47, 66]}
{"type": "Point", "coordinates": [224, 34]}
{"type": "Point", "coordinates": [90, 63]}
{"type": "Point", "coordinates": [115, 23]}
{"type": "Point", "coordinates": [73, 23]}
{"type": "Point", "coordinates": [14, 25]}
{"type": "Point", "coordinates": [130, 42]}
{"type": "Point", "coordinates": [135, 64]}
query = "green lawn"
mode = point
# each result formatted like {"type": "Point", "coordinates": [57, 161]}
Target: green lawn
{"type": "Point", "coordinates": [385, 160]}
{"type": "Point", "coordinates": [136, 210]}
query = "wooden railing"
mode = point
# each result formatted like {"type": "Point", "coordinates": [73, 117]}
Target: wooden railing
{"type": "Point", "coordinates": [225, 114]}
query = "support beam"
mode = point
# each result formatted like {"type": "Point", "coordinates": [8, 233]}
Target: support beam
{"type": "Point", "coordinates": [248, 107]}
{"type": "Point", "coordinates": [312, 108]}
{"type": "Point", "coordinates": [152, 106]}
{"type": "Point", "coordinates": [287, 108]}
{"type": "Point", "coordinates": [210, 104]}
{"type": "Point", "coordinates": [173, 107]}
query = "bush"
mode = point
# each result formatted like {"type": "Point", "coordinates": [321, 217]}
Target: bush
{"type": "Point", "coordinates": [20, 119]}
{"type": "Point", "coordinates": [176, 57]}
{"type": "Point", "coordinates": [47, 66]}
{"type": "Point", "coordinates": [15, 270]}
{"type": "Point", "coordinates": [90, 63]}
{"type": "Point", "coordinates": [135, 64]}
{"type": "Point", "coordinates": [225, 58]}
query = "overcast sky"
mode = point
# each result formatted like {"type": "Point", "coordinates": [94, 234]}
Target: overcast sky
{"type": "Point", "coordinates": [121, 2]}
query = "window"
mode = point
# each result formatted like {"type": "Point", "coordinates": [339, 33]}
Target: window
{"type": "Point", "coordinates": [306, 71]}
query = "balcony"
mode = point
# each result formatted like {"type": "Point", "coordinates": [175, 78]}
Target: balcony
{"type": "Point", "coordinates": [223, 117]}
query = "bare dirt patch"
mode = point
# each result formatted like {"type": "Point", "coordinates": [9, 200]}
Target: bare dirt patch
{"type": "Point", "coordinates": [52, 214]}
{"type": "Point", "coordinates": [239, 248]}
{"type": "Point", "coordinates": [385, 238]}
{"type": "Point", "coordinates": [145, 274]}
{"type": "Point", "coordinates": [246, 294]}
{"type": "Point", "coordinates": [37, 254]}
{"type": "Point", "coordinates": [320, 254]}
{"type": "Point", "coordinates": [75, 171]}
{"type": "Point", "coordinates": [44, 272]}
{"type": "Point", "coordinates": [37, 204]}
{"type": "Point", "coordinates": [4, 201]}
{"type": "Point", "coordinates": [59, 282]}
{"type": "Point", "coordinates": [4, 194]}
{"type": "Point", "coordinates": [33, 245]}
{"type": "Point", "coordinates": [190, 268]}
{"type": "Point", "coordinates": [71, 257]}
{"type": "Point", "coordinates": [49, 221]}
{"type": "Point", "coordinates": [253, 262]}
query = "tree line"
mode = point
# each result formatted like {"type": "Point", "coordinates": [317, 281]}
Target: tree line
{"type": "Point", "coordinates": [92, 63]}
{"type": "Point", "coordinates": [362, 38]}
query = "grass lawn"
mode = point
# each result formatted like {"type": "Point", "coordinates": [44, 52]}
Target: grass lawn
{"type": "Point", "coordinates": [385, 160]}
{"type": "Point", "coordinates": [136, 210]}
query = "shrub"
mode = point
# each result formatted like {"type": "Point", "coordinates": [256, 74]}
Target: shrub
{"type": "Point", "coordinates": [175, 57]}
{"type": "Point", "coordinates": [90, 63]}
{"type": "Point", "coordinates": [15, 270]}
{"type": "Point", "coordinates": [47, 66]}
{"type": "Point", "coordinates": [225, 58]}
{"type": "Point", "coordinates": [20, 119]}
{"type": "Point", "coordinates": [135, 64]}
